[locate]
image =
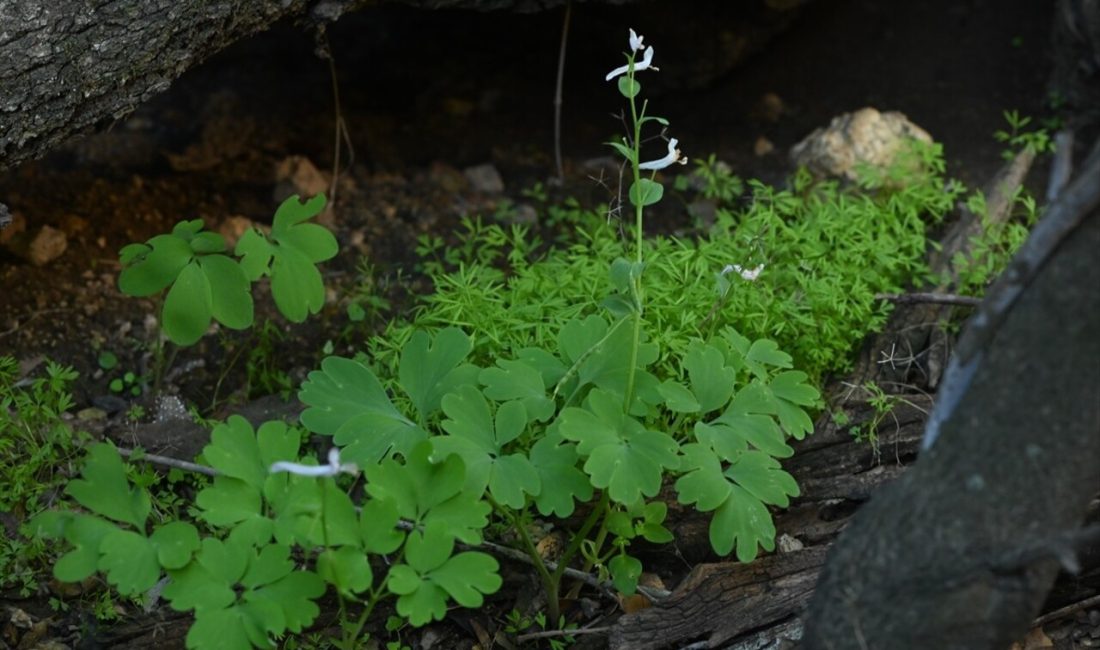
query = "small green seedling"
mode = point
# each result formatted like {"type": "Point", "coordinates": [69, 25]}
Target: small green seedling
{"type": "Point", "coordinates": [205, 283]}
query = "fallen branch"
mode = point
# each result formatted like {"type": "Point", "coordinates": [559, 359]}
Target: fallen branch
{"type": "Point", "coordinates": [932, 297]}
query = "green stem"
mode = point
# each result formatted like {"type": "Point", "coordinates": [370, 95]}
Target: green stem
{"type": "Point", "coordinates": [549, 582]}
{"type": "Point", "coordinates": [598, 514]}
{"type": "Point", "coordinates": [638, 210]}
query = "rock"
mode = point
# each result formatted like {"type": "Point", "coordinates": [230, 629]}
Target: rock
{"type": "Point", "coordinates": [13, 224]}
{"type": "Point", "coordinates": [446, 177]}
{"type": "Point", "coordinates": [769, 108]}
{"type": "Point", "coordinates": [232, 228]}
{"type": "Point", "coordinates": [298, 175]}
{"type": "Point", "coordinates": [762, 147]}
{"type": "Point", "coordinates": [863, 137]}
{"type": "Point", "coordinates": [39, 247]}
{"type": "Point", "coordinates": [485, 179]}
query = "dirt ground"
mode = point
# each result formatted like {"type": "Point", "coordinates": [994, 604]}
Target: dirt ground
{"type": "Point", "coordinates": [427, 95]}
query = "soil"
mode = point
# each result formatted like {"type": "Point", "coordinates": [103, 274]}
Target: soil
{"type": "Point", "coordinates": [425, 96]}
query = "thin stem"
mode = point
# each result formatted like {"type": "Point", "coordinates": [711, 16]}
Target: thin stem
{"type": "Point", "coordinates": [558, 90]}
{"type": "Point", "coordinates": [596, 515]}
{"type": "Point", "coordinates": [550, 582]}
{"type": "Point", "coordinates": [639, 202]}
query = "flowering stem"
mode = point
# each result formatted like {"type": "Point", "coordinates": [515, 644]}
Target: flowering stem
{"type": "Point", "coordinates": [639, 202]}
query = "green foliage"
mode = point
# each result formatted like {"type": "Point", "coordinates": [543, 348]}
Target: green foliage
{"type": "Point", "coordinates": [1017, 138]}
{"type": "Point", "coordinates": [827, 251]}
{"type": "Point", "coordinates": [205, 283]}
{"type": "Point", "coordinates": [35, 449]}
{"type": "Point", "coordinates": [990, 252]}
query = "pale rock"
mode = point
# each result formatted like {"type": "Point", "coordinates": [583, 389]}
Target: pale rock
{"type": "Point", "coordinates": [762, 147]}
{"type": "Point", "coordinates": [39, 247]}
{"type": "Point", "coordinates": [300, 176]}
{"type": "Point", "coordinates": [446, 177]}
{"type": "Point", "coordinates": [232, 228]}
{"type": "Point", "coordinates": [485, 179]}
{"type": "Point", "coordinates": [863, 137]}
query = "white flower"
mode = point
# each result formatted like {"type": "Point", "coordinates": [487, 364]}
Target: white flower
{"type": "Point", "coordinates": [333, 468]}
{"type": "Point", "coordinates": [645, 64]}
{"type": "Point", "coordinates": [635, 41]}
{"type": "Point", "coordinates": [673, 156]}
{"type": "Point", "coordinates": [747, 274]}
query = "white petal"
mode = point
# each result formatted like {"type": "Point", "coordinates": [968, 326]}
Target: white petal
{"type": "Point", "coordinates": [672, 157]}
{"type": "Point", "coordinates": [303, 470]}
{"type": "Point", "coordinates": [635, 41]}
{"type": "Point", "coordinates": [621, 70]}
{"type": "Point", "coordinates": [645, 64]}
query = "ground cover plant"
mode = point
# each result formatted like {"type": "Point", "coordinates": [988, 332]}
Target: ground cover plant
{"type": "Point", "coordinates": [575, 387]}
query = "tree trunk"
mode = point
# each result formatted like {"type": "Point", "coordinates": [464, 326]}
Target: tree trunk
{"type": "Point", "coordinates": [961, 551]}
{"type": "Point", "coordinates": [67, 66]}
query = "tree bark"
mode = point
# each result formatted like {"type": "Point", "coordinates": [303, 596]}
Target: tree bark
{"type": "Point", "coordinates": [67, 66]}
{"type": "Point", "coordinates": [961, 551]}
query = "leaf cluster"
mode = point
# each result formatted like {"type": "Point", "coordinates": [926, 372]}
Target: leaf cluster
{"type": "Point", "coordinates": [204, 283]}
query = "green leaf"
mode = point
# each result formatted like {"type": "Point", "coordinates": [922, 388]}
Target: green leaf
{"type": "Point", "coordinates": [556, 465]}
{"type": "Point", "coordinates": [467, 576]}
{"type": "Point", "coordinates": [764, 353]}
{"type": "Point", "coordinates": [348, 402]}
{"type": "Point", "coordinates": [233, 451]}
{"type": "Point", "coordinates": [230, 291]}
{"type": "Point", "coordinates": [378, 527]}
{"type": "Point", "coordinates": [130, 562]}
{"type": "Point", "coordinates": [294, 593]}
{"type": "Point", "coordinates": [704, 484]}
{"type": "Point", "coordinates": [791, 392]}
{"type": "Point", "coordinates": [645, 192]}
{"type": "Point", "coordinates": [207, 242]}
{"type": "Point", "coordinates": [340, 520]}
{"type": "Point", "coordinates": [518, 380]}
{"type": "Point", "coordinates": [276, 442]}
{"type": "Point", "coordinates": [425, 492]}
{"type": "Point", "coordinates": [107, 360]}
{"type": "Point", "coordinates": [220, 628]}
{"type": "Point", "coordinates": [293, 211]}
{"type": "Point", "coordinates": [255, 252]}
{"type": "Point", "coordinates": [430, 369]}
{"type": "Point", "coordinates": [228, 501]}
{"type": "Point", "coordinates": [267, 565]}
{"type": "Point", "coordinates": [624, 151]}
{"type": "Point", "coordinates": [762, 476]}
{"type": "Point", "coordinates": [346, 568]}
{"type": "Point", "coordinates": [175, 543]}
{"type": "Point", "coordinates": [86, 534]}
{"type": "Point", "coordinates": [749, 416]}
{"type": "Point", "coordinates": [628, 87]}
{"type": "Point", "coordinates": [623, 456]}
{"type": "Point", "coordinates": [678, 398]}
{"type": "Point", "coordinates": [432, 574]}
{"type": "Point", "coordinates": [104, 489]}
{"type": "Point", "coordinates": [712, 381]}
{"type": "Point", "coordinates": [296, 284]}
{"type": "Point", "coordinates": [480, 442]}
{"type": "Point", "coordinates": [150, 269]}
{"type": "Point", "coordinates": [744, 521]}
{"type": "Point", "coordinates": [625, 571]}
{"type": "Point", "coordinates": [188, 307]}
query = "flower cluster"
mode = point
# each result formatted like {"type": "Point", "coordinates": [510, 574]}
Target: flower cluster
{"type": "Point", "coordinates": [674, 155]}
